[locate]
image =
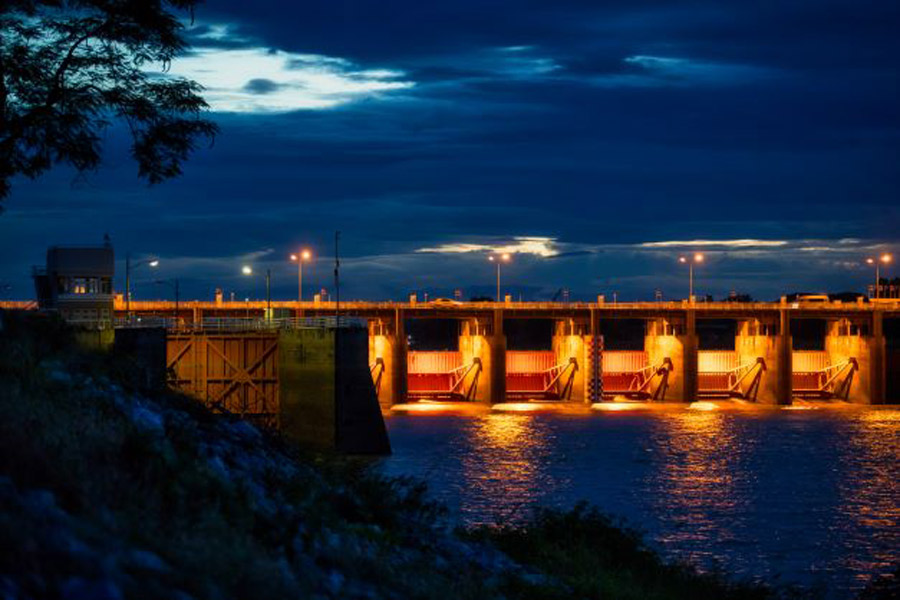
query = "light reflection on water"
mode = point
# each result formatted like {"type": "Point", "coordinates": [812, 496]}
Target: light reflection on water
{"type": "Point", "coordinates": [699, 481]}
{"type": "Point", "coordinates": [872, 499]}
{"type": "Point", "coordinates": [809, 497]}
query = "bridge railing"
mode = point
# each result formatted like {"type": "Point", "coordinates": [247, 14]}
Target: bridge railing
{"type": "Point", "coordinates": [360, 305]}
{"type": "Point", "coordinates": [19, 304]}
{"type": "Point", "coordinates": [214, 324]}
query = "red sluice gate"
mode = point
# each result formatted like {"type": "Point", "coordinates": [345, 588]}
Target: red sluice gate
{"type": "Point", "coordinates": [815, 375]}
{"type": "Point", "coordinates": [809, 371]}
{"type": "Point", "coordinates": [624, 373]}
{"type": "Point", "coordinates": [529, 374]}
{"type": "Point", "coordinates": [437, 376]}
{"type": "Point", "coordinates": [715, 371]}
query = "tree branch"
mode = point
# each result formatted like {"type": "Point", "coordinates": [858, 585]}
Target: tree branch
{"type": "Point", "coordinates": [55, 92]}
{"type": "Point", "coordinates": [15, 128]}
{"type": "Point", "coordinates": [63, 74]}
{"type": "Point", "coordinates": [4, 93]}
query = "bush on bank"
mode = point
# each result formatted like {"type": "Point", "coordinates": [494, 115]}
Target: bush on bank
{"type": "Point", "coordinates": [107, 492]}
{"type": "Point", "coordinates": [598, 557]}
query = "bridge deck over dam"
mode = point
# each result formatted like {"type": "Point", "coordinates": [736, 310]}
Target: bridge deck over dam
{"type": "Point", "coordinates": [539, 310]}
{"type": "Point", "coordinates": [582, 363]}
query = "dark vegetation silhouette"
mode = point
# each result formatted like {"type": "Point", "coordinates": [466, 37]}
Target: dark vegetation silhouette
{"type": "Point", "coordinates": [113, 488]}
{"type": "Point", "coordinates": [71, 68]}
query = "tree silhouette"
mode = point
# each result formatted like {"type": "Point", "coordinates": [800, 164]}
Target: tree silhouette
{"type": "Point", "coordinates": [70, 68]}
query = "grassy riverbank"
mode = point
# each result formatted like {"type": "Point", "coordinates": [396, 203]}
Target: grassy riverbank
{"type": "Point", "coordinates": [110, 491]}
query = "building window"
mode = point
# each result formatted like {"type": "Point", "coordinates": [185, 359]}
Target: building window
{"type": "Point", "coordinates": [84, 285]}
{"type": "Point", "coordinates": [78, 285]}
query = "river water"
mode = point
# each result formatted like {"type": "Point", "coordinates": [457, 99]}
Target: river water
{"type": "Point", "coordinates": [806, 495]}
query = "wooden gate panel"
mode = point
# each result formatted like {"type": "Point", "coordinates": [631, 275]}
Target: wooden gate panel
{"type": "Point", "coordinates": [230, 372]}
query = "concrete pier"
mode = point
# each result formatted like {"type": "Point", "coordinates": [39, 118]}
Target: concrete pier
{"type": "Point", "coordinates": [571, 342]}
{"type": "Point", "coordinates": [675, 339]}
{"type": "Point", "coordinates": [861, 342]}
{"type": "Point", "coordinates": [325, 394]}
{"type": "Point", "coordinates": [388, 351]}
{"type": "Point", "coordinates": [483, 343]}
{"type": "Point", "coordinates": [768, 339]}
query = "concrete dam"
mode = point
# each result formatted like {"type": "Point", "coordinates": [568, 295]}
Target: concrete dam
{"type": "Point", "coordinates": [244, 351]}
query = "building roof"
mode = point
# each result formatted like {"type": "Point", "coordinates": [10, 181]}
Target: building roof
{"type": "Point", "coordinates": [81, 261]}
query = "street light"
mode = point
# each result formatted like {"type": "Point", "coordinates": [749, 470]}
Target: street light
{"type": "Point", "coordinates": [304, 255]}
{"type": "Point", "coordinates": [499, 258]}
{"type": "Point", "coordinates": [152, 262]}
{"type": "Point", "coordinates": [884, 258]}
{"type": "Point", "coordinates": [248, 270]}
{"type": "Point", "coordinates": [690, 262]}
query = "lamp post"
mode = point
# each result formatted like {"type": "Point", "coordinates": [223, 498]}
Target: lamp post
{"type": "Point", "coordinates": [499, 258]}
{"type": "Point", "coordinates": [128, 268]}
{"type": "Point", "coordinates": [337, 284]}
{"type": "Point", "coordinates": [690, 262]}
{"type": "Point", "coordinates": [884, 258]}
{"type": "Point", "coordinates": [248, 270]}
{"type": "Point", "coordinates": [303, 255]}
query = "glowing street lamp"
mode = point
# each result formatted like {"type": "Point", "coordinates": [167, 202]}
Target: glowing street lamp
{"type": "Point", "coordinates": [884, 258]}
{"type": "Point", "coordinates": [304, 255]}
{"type": "Point", "coordinates": [248, 270]}
{"type": "Point", "coordinates": [129, 266]}
{"type": "Point", "coordinates": [690, 261]}
{"type": "Point", "coordinates": [499, 258]}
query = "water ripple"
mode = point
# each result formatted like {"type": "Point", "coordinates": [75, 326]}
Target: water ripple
{"type": "Point", "coordinates": [809, 497]}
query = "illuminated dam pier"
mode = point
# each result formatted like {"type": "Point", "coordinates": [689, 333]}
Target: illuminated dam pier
{"type": "Point", "coordinates": [584, 360]}
{"type": "Point", "coordinates": [671, 367]}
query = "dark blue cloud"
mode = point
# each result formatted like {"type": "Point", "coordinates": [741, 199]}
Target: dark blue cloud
{"type": "Point", "coordinates": [599, 127]}
{"type": "Point", "coordinates": [261, 86]}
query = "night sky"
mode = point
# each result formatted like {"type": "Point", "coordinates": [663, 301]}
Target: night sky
{"type": "Point", "coordinates": [595, 141]}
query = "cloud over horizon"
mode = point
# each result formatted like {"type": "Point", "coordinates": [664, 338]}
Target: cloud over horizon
{"type": "Point", "coordinates": [245, 77]}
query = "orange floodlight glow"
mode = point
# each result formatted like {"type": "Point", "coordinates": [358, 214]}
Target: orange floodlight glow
{"type": "Point", "coordinates": [519, 407]}
{"type": "Point", "coordinates": [432, 407]}
{"type": "Point", "coordinates": [619, 406]}
{"type": "Point", "coordinates": [706, 406]}
{"type": "Point", "coordinates": [421, 407]}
